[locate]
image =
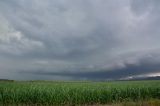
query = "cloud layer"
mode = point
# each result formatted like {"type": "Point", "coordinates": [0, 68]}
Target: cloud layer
{"type": "Point", "coordinates": [79, 39]}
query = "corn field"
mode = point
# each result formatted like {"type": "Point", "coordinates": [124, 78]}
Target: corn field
{"type": "Point", "coordinates": [76, 93]}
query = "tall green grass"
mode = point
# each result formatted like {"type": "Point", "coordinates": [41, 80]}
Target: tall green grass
{"type": "Point", "coordinates": [72, 93]}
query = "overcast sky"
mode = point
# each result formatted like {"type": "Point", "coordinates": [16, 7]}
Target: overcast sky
{"type": "Point", "coordinates": [79, 39]}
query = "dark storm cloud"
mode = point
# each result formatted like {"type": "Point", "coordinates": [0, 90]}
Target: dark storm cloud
{"type": "Point", "coordinates": [87, 39]}
{"type": "Point", "coordinates": [145, 66]}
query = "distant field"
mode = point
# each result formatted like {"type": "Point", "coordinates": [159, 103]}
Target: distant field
{"type": "Point", "coordinates": [78, 93]}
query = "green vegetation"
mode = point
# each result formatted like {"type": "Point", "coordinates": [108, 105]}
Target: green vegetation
{"type": "Point", "coordinates": [77, 93]}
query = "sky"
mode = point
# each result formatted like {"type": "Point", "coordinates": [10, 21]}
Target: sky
{"type": "Point", "coordinates": [79, 39]}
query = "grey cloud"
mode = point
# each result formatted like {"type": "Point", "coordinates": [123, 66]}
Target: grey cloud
{"type": "Point", "coordinates": [103, 74]}
{"type": "Point", "coordinates": [141, 6]}
{"type": "Point", "coordinates": [79, 35]}
{"type": "Point", "coordinates": [146, 65]}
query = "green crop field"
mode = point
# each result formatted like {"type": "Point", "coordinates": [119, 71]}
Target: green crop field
{"type": "Point", "coordinates": [50, 93]}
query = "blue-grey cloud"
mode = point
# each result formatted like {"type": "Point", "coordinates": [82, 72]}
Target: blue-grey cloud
{"type": "Point", "coordinates": [91, 39]}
